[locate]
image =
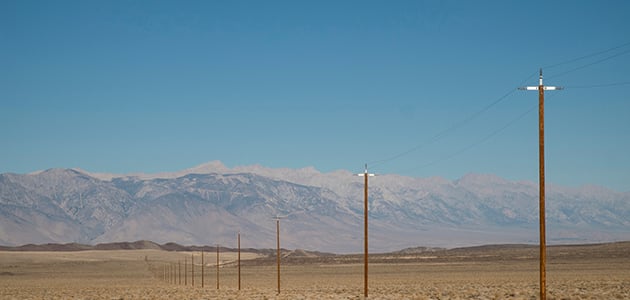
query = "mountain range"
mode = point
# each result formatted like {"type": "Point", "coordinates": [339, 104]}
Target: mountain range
{"type": "Point", "coordinates": [210, 203]}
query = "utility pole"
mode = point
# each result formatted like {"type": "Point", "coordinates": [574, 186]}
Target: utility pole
{"type": "Point", "coordinates": [192, 268]}
{"type": "Point", "coordinates": [217, 266]}
{"type": "Point", "coordinates": [202, 265]}
{"type": "Point", "coordinates": [365, 230]}
{"type": "Point", "coordinates": [179, 271]}
{"type": "Point", "coordinates": [277, 218]}
{"type": "Point", "coordinates": [239, 259]}
{"type": "Point", "coordinates": [541, 88]}
{"type": "Point", "coordinates": [185, 271]}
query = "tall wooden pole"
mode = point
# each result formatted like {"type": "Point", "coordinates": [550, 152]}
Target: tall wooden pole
{"type": "Point", "coordinates": [185, 271]}
{"type": "Point", "coordinates": [239, 259]}
{"type": "Point", "coordinates": [541, 179]}
{"type": "Point", "coordinates": [192, 268]}
{"type": "Point", "coordinates": [278, 250]}
{"type": "Point", "coordinates": [217, 266]}
{"type": "Point", "coordinates": [202, 265]}
{"type": "Point", "coordinates": [179, 271]}
{"type": "Point", "coordinates": [365, 237]}
{"type": "Point", "coordinates": [365, 230]}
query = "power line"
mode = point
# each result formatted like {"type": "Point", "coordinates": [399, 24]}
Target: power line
{"type": "Point", "coordinates": [455, 126]}
{"type": "Point", "coordinates": [476, 114]}
{"type": "Point", "coordinates": [599, 85]}
{"type": "Point", "coordinates": [481, 141]}
{"type": "Point", "coordinates": [585, 56]}
{"type": "Point", "coordinates": [590, 64]}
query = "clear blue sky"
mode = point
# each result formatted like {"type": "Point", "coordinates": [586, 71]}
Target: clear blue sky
{"type": "Point", "coordinates": [148, 86]}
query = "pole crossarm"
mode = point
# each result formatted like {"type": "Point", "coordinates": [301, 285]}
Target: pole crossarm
{"type": "Point", "coordinates": [536, 88]}
{"type": "Point", "coordinates": [540, 86]}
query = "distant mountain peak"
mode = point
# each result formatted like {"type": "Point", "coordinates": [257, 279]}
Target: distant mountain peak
{"type": "Point", "coordinates": [214, 166]}
{"type": "Point", "coordinates": [476, 179]}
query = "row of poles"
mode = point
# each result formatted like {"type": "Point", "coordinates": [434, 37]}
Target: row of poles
{"type": "Point", "coordinates": [541, 88]}
{"type": "Point", "coordinates": [172, 272]}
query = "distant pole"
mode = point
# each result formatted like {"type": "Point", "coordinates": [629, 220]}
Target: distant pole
{"type": "Point", "coordinates": [185, 271]}
{"type": "Point", "coordinates": [202, 264]}
{"type": "Point", "coordinates": [365, 230]}
{"type": "Point", "coordinates": [278, 250]}
{"type": "Point", "coordinates": [217, 266]}
{"type": "Point", "coordinates": [192, 268]}
{"type": "Point", "coordinates": [541, 166]}
{"type": "Point", "coordinates": [179, 271]}
{"type": "Point", "coordinates": [239, 259]}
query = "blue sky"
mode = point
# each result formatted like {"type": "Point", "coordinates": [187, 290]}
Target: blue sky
{"type": "Point", "coordinates": [407, 86]}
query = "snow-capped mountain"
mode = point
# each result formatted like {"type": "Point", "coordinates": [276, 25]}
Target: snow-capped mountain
{"type": "Point", "coordinates": [209, 203]}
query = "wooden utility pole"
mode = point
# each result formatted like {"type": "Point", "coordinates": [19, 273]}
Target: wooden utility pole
{"type": "Point", "coordinates": [278, 250]}
{"type": "Point", "coordinates": [541, 180]}
{"type": "Point", "coordinates": [202, 264]}
{"type": "Point", "coordinates": [239, 259]}
{"type": "Point", "coordinates": [217, 266]}
{"type": "Point", "coordinates": [179, 271]}
{"type": "Point", "coordinates": [365, 230]}
{"type": "Point", "coordinates": [192, 268]}
{"type": "Point", "coordinates": [185, 271]}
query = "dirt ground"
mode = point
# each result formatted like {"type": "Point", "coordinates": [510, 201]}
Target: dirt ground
{"type": "Point", "coordinates": [572, 273]}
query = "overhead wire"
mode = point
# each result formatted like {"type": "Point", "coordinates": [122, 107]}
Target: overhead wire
{"type": "Point", "coordinates": [585, 56]}
{"type": "Point", "coordinates": [476, 143]}
{"type": "Point", "coordinates": [473, 116]}
{"type": "Point", "coordinates": [455, 126]}
{"type": "Point", "coordinates": [589, 64]}
{"type": "Point", "coordinates": [597, 85]}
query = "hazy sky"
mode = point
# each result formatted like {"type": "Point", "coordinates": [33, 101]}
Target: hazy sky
{"type": "Point", "coordinates": [411, 87]}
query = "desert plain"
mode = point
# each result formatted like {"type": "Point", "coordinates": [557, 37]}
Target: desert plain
{"type": "Point", "coordinates": [600, 271]}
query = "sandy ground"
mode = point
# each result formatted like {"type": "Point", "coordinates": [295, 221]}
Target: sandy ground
{"type": "Point", "coordinates": [139, 274]}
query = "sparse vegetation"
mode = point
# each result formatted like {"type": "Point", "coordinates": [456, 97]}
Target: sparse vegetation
{"type": "Point", "coordinates": [497, 272]}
